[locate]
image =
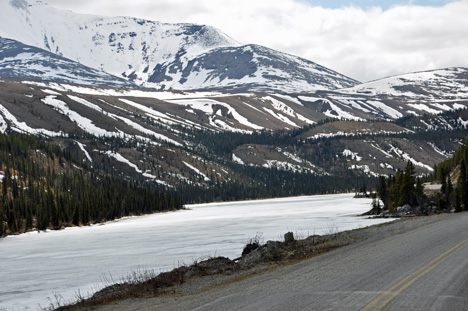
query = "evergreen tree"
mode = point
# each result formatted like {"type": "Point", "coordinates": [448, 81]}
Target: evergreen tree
{"type": "Point", "coordinates": [363, 189]}
{"type": "Point", "coordinates": [458, 207]}
{"type": "Point", "coordinates": [2, 226]}
{"type": "Point", "coordinates": [462, 185]}
{"type": "Point", "coordinates": [4, 187]}
{"type": "Point", "coordinates": [419, 187]}
{"type": "Point", "coordinates": [29, 220]}
{"type": "Point", "coordinates": [382, 190]}
{"type": "Point", "coordinates": [376, 204]}
{"type": "Point", "coordinates": [408, 191]}
{"type": "Point", "coordinates": [443, 181]}
{"type": "Point", "coordinates": [76, 214]}
{"type": "Point", "coordinates": [403, 190]}
{"type": "Point", "coordinates": [396, 191]}
{"type": "Point", "coordinates": [449, 190]}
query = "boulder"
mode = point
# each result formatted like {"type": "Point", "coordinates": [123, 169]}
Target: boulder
{"type": "Point", "coordinates": [289, 238]}
{"type": "Point", "coordinates": [404, 209]}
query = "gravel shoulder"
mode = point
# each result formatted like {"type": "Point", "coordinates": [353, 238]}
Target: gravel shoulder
{"type": "Point", "coordinates": [277, 261]}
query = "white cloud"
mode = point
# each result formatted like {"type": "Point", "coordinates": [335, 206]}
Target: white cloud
{"type": "Point", "coordinates": [362, 43]}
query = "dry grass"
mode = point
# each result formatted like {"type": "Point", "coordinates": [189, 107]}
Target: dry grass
{"type": "Point", "coordinates": [142, 284]}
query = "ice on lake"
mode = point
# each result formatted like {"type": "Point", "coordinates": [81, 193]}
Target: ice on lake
{"type": "Point", "coordinates": [37, 267]}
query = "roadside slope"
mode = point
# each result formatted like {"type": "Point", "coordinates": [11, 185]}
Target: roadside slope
{"type": "Point", "coordinates": [418, 258]}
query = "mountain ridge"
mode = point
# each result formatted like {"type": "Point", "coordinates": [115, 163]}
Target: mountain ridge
{"type": "Point", "coordinates": [252, 118]}
{"type": "Point", "coordinates": [27, 62]}
{"type": "Point", "coordinates": [155, 54]}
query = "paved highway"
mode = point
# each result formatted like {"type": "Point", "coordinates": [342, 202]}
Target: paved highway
{"type": "Point", "coordinates": [414, 265]}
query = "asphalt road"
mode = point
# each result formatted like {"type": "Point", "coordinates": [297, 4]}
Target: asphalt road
{"type": "Point", "coordinates": [417, 265]}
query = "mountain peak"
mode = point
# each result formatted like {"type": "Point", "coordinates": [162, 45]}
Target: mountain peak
{"type": "Point", "coordinates": [162, 55]}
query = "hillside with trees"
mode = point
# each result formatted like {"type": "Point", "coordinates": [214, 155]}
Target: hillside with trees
{"type": "Point", "coordinates": [44, 187]}
{"type": "Point", "coordinates": [405, 189]}
{"type": "Point", "coordinates": [453, 178]}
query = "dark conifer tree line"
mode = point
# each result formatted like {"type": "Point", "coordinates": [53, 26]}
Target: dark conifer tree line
{"type": "Point", "coordinates": [46, 187]}
{"type": "Point", "coordinates": [402, 189]}
{"type": "Point", "coordinates": [272, 183]}
{"type": "Point", "coordinates": [36, 196]}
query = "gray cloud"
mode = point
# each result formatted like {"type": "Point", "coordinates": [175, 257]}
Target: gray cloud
{"type": "Point", "coordinates": [364, 44]}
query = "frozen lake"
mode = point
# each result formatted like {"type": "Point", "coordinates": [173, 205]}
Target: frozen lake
{"type": "Point", "coordinates": [35, 267]}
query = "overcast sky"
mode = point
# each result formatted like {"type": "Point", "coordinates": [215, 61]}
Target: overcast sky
{"type": "Point", "coordinates": [364, 39]}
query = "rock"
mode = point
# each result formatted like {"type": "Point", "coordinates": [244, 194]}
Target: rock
{"type": "Point", "coordinates": [272, 245]}
{"type": "Point", "coordinates": [251, 259]}
{"type": "Point", "coordinates": [249, 248]}
{"type": "Point", "coordinates": [289, 238]}
{"type": "Point", "coordinates": [211, 266]}
{"type": "Point", "coordinates": [315, 239]}
{"type": "Point", "coordinates": [404, 209]}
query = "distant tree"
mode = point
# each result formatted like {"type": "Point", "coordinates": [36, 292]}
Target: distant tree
{"type": "Point", "coordinates": [407, 190]}
{"type": "Point", "coordinates": [2, 227]}
{"type": "Point", "coordinates": [462, 185]}
{"type": "Point", "coordinates": [363, 189]}
{"type": "Point", "coordinates": [403, 189]}
{"type": "Point", "coordinates": [443, 181]}
{"type": "Point", "coordinates": [419, 187]}
{"type": "Point", "coordinates": [449, 190]}
{"type": "Point", "coordinates": [376, 204]}
{"type": "Point", "coordinates": [395, 191]}
{"type": "Point", "coordinates": [458, 207]}
{"type": "Point", "coordinates": [4, 186]}
{"type": "Point", "coordinates": [382, 190]}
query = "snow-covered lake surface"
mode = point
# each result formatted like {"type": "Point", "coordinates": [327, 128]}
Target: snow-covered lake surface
{"type": "Point", "coordinates": [36, 267]}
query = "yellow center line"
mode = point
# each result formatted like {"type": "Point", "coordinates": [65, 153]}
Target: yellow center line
{"type": "Point", "coordinates": [415, 275]}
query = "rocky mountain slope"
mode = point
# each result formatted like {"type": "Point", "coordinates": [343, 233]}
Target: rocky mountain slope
{"type": "Point", "coordinates": [160, 55]}
{"type": "Point", "coordinates": [251, 117]}
{"type": "Point", "coordinates": [177, 139]}
{"type": "Point", "coordinates": [27, 62]}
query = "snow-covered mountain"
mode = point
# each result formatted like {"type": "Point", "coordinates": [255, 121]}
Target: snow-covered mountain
{"type": "Point", "coordinates": [27, 62]}
{"type": "Point", "coordinates": [447, 83]}
{"type": "Point", "coordinates": [251, 68]}
{"type": "Point", "coordinates": [429, 92]}
{"type": "Point", "coordinates": [162, 134]}
{"type": "Point", "coordinates": [165, 56]}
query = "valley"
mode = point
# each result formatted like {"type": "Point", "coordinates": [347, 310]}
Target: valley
{"type": "Point", "coordinates": [83, 260]}
{"type": "Point", "coordinates": [106, 118]}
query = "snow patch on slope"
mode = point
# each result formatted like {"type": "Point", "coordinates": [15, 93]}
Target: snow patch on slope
{"type": "Point", "coordinates": [364, 168]}
{"type": "Point", "coordinates": [280, 117]}
{"type": "Point", "coordinates": [282, 107]}
{"type": "Point", "coordinates": [3, 124]}
{"type": "Point", "coordinates": [22, 127]}
{"type": "Point", "coordinates": [394, 114]}
{"type": "Point", "coordinates": [237, 160]}
{"type": "Point", "coordinates": [208, 107]}
{"type": "Point", "coordinates": [82, 147]}
{"type": "Point", "coordinates": [85, 124]}
{"type": "Point", "coordinates": [122, 159]}
{"type": "Point", "coordinates": [353, 155]}
{"type": "Point", "coordinates": [407, 157]}
{"type": "Point", "coordinates": [286, 166]}
{"type": "Point", "coordinates": [196, 170]}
